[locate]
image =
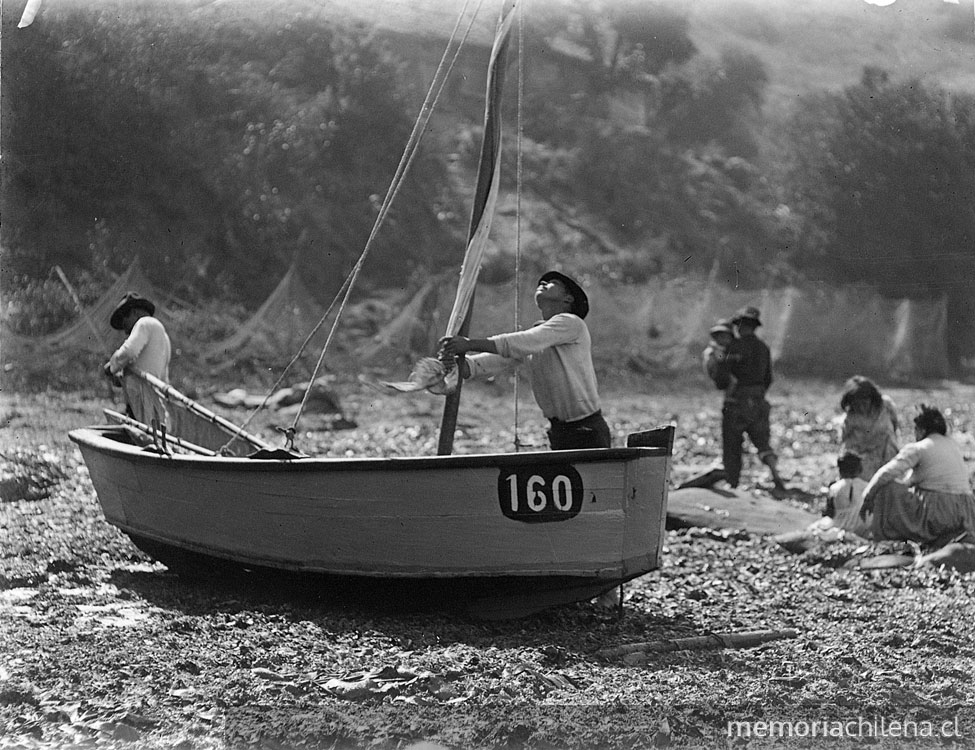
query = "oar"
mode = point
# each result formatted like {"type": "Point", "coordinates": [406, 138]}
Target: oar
{"type": "Point", "coordinates": [147, 430]}
{"type": "Point", "coordinates": [226, 425]}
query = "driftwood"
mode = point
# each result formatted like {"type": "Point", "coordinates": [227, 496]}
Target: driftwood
{"type": "Point", "coordinates": [702, 642]}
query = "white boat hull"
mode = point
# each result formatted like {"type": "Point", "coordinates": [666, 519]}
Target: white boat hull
{"type": "Point", "coordinates": [590, 518]}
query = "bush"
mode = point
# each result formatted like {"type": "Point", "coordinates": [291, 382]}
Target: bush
{"type": "Point", "coordinates": [36, 307]}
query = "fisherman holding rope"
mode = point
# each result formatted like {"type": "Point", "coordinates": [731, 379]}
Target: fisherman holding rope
{"type": "Point", "coordinates": [146, 348]}
{"type": "Point", "coordinates": [558, 351]}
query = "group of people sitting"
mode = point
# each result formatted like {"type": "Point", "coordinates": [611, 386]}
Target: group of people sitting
{"type": "Point", "coordinates": [920, 492]}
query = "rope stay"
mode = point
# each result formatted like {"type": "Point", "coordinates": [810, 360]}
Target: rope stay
{"type": "Point", "coordinates": [519, 173]}
{"type": "Point", "coordinates": [409, 154]}
{"type": "Point", "coordinates": [431, 99]}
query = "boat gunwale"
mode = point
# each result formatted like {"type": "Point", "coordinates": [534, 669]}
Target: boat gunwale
{"type": "Point", "coordinates": [94, 437]}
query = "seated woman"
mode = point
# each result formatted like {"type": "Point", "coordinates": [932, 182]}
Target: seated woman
{"type": "Point", "coordinates": [939, 508]}
{"type": "Point", "coordinates": [869, 426]}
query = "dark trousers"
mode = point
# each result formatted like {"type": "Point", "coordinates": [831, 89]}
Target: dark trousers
{"type": "Point", "coordinates": [588, 432]}
{"type": "Point", "coordinates": [739, 417]}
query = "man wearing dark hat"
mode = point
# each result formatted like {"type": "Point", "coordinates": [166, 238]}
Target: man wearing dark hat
{"type": "Point", "coordinates": [745, 410]}
{"type": "Point", "coordinates": [558, 351]}
{"type": "Point", "coordinates": [146, 348]}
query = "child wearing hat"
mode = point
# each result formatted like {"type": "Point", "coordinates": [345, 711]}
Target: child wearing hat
{"type": "Point", "coordinates": [146, 348]}
{"type": "Point", "coordinates": [715, 355]}
{"type": "Point", "coordinates": [558, 353]}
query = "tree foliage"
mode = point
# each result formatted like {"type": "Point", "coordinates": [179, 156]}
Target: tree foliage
{"type": "Point", "coordinates": [218, 150]}
{"type": "Point", "coordinates": [223, 148]}
{"type": "Point", "coordinates": [717, 101]}
{"type": "Point", "coordinates": [887, 170]}
{"type": "Point", "coordinates": [884, 176]}
{"type": "Point", "coordinates": [681, 177]}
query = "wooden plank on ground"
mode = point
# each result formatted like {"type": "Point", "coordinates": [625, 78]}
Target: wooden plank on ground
{"type": "Point", "coordinates": [733, 509]}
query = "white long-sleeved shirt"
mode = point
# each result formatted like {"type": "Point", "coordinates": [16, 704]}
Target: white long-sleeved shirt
{"type": "Point", "coordinates": [147, 347]}
{"type": "Point", "coordinates": [559, 356]}
{"type": "Point", "coordinates": [935, 463]}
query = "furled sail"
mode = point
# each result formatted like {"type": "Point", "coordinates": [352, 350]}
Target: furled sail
{"type": "Point", "coordinates": [488, 179]}
{"type": "Point", "coordinates": [429, 373]}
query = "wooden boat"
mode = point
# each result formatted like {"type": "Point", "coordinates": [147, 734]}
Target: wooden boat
{"type": "Point", "coordinates": [521, 531]}
{"type": "Point", "coordinates": [515, 532]}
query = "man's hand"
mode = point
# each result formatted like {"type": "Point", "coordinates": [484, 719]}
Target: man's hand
{"type": "Point", "coordinates": [113, 378]}
{"type": "Point", "coordinates": [455, 346]}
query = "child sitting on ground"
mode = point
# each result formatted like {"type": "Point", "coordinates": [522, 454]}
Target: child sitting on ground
{"type": "Point", "coordinates": [845, 497]}
{"type": "Point", "coordinates": [844, 501]}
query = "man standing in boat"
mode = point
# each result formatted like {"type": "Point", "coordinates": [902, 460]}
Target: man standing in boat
{"type": "Point", "coordinates": [558, 351]}
{"type": "Point", "coordinates": [146, 348]}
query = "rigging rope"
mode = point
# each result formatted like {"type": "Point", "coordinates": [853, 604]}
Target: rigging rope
{"type": "Point", "coordinates": [518, 186]}
{"type": "Point", "coordinates": [409, 154]}
{"type": "Point", "coordinates": [434, 91]}
{"type": "Point", "coordinates": [284, 373]}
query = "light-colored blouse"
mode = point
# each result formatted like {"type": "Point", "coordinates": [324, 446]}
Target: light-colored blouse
{"type": "Point", "coordinates": [934, 463]}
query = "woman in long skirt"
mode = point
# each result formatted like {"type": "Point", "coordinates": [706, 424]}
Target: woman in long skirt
{"type": "Point", "coordinates": [939, 507]}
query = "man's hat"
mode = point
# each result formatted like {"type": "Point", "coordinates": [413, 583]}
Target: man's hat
{"type": "Point", "coordinates": [131, 301]}
{"type": "Point", "coordinates": [748, 313]}
{"type": "Point", "coordinates": [722, 326]}
{"type": "Point", "coordinates": [580, 302]}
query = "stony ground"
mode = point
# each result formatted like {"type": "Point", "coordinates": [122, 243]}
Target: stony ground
{"type": "Point", "coordinates": [100, 646]}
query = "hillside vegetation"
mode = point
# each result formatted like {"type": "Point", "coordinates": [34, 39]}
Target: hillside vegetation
{"type": "Point", "coordinates": [761, 143]}
{"type": "Point", "coordinates": [824, 45]}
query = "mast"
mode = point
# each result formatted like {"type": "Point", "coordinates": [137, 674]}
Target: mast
{"type": "Point", "coordinates": [485, 195]}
